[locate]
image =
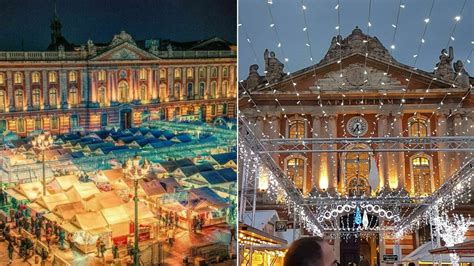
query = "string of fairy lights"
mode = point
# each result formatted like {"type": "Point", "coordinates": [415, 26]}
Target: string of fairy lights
{"type": "Point", "coordinates": [289, 76]}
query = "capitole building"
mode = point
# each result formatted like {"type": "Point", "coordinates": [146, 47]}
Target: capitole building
{"type": "Point", "coordinates": [122, 83]}
{"type": "Point", "coordinates": [358, 90]}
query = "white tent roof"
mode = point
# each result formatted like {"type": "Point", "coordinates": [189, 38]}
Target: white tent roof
{"type": "Point", "coordinates": [262, 218]}
{"type": "Point", "coordinates": [422, 254]}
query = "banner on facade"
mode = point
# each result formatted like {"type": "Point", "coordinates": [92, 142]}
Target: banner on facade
{"type": "Point", "coordinates": [281, 226]}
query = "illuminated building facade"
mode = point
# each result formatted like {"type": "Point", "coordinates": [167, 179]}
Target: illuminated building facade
{"type": "Point", "coordinates": [358, 90]}
{"type": "Point", "coordinates": [122, 83]}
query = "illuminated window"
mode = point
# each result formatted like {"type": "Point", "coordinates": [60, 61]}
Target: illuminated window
{"type": "Point", "coordinates": [18, 78]}
{"type": "Point", "coordinates": [162, 90]}
{"type": "Point", "coordinates": [143, 74]}
{"type": "Point", "coordinates": [296, 129]}
{"type": "Point", "coordinates": [422, 182]}
{"type": "Point", "coordinates": [101, 75]}
{"type": "Point", "coordinates": [2, 100]}
{"type": "Point", "coordinates": [36, 98]}
{"type": "Point", "coordinates": [20, 125]}
{"type": "Point", "coordinates": [123, 92]}
{"type": "Point", "coordinates": [54, 123]}
{"type": "Point", "coordinates": [177, 89]}
{"type": "Point", "coordinates": [19, 99]}
{"type": "Point", "coordinates": [295, 171]}
{"type": "Point", "coordinates": [177, 73]}
{"type": "Point", "coordinates": [73, 97]}
{"type": "Point", "coordinates": [190, 89]}
{"type": "Point", "coordinates": [189, 73]}
{"type": "Point", "coordinates": [214, 72]}
{"type": "Point", "coordinates": [38, 123]}
{"type": "Point", "coordinates": [225, 85]}
{"type": "Point", "coordinates": [213, 89]}
{"type": "Point", "coordinates": [72, 76]}
{"type": "Point", "coordinates": [143, 93]}
{"type": "Point", "coordinates": [418, 127]}
{"type": "Point", "coordinates": [202, 87]}
{"type": "Point", "coordinates": [52, 77]}
{"type": "Point", "coordinates": [225, 72]}
{"type": "Point", "coordinates": [357, 166]}
{"type": "Point", "coordinates": [35, 77]}
{"type": "Point", "coordinates": [213, 109]}
{"type": "Point", "coordinates": [2, 79]}
{"type": "Point", "coordinates": [74, 121]}
{"type": "Point", "coordinates": [202, 72]}
{"type": "Point", "coordinates": [162, 73]}
{"type": "Point", "coordinates": [53, 97]}
{"type": "Point", "coordinates": [102, 96]}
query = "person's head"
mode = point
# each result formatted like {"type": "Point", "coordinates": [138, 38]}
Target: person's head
{"type": "Point", "coordinates": [411, 264]}
{"type": "Point", "coordinates": [310, 251]}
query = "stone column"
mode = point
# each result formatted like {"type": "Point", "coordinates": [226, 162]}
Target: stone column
{"type": "Point", "coordinates": [274, 132]}
{"type": "Point", "coordinates": [10, 91]}
{"type": "Point", "coordinates": [93, 86]}
{"type": "Point", "coordinates": [133, 85]}
{"type": "Point", "coordinates": [383, 156]}
{"type": "Point", "coordinates": [332, 156]}
{"type": "Point", "coordinates": [27, 76]}
{"type": "Point", "coordinates": [219, 82]}
{"type": "Point", "coordinates": [44, 78]}
{"type": "Point", "coordinates": [459, 157]}
{"type": "Point", "coordinates": [156, 84]}
{"type": "Point", "coordinates": [399, 156]}
{"type": "Point", "coordinates": [170, 84]}
{"type": "Point", "coordinates": [207, 93]}
{"type": "Point", "coordinates": [232, 81]}
{"type": "Point", "coordinates": [316, 157]}
{"type": "Point", "coordinates": [442, 130]}
{"type": "Point", "coordinates": [63, 88]}
{"type": "Point", "coordinates": [85, 87]}
{"type": "Point", "coordinates": [196, 83]}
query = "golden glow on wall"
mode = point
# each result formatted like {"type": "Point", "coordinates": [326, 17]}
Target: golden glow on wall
{"type": "Point", "coordinates": [323, 173]}
{"type": "Point", "coordinates": [393, 180]}
{"type": "Point", "coordinates": [263, 179]}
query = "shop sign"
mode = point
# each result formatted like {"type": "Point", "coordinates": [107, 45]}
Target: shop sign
{"type": "Point", "coordinates": [281, 226]}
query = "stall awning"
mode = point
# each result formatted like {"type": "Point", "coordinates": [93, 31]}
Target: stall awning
{"type": "Point", "coordinates": [69, 228]}
{"type": "Point", "coordinates": [422, 255]}
{"type": "Point", "coordinates": [14, 194]}
{"type": "Point", "coordinates": [37, 208]}
{"type": "Point", "coordinates": [246, 232]}
{"type": "Point", "coordinates": [463, 249]}
{"type": "Point", "coordinates": [52, 217]}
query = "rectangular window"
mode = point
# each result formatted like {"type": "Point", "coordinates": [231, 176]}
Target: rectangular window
{"type": "Point", "coordinates": [54, 123]}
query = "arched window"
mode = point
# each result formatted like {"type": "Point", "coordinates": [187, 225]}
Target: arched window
{"type": "Point", "coordinates": [103, 120]}
{"type": "Point", "coordinates": [296, 129]}
{"type": "Point", "coordinates": [202, 87]}
{"type": "Point", "coordinates": [52, 77]}
{"type": "Point", "coordinates": [20, 125]}
{"type": "Point", "coordinates": [418, 127]}
{"type": "Point", "coordinates": [36, 98]}
{"type": "Point", "coordinates": [225, 72]}
{"type": "Point", "coordinates": [143, 74]}
{"type": "Point", "coordinates": [35, 77]}
{"type": "Point", "coordinates": [190, 89]}
{"type": "Point", "coordinates": [177, 73]}
{"type": "Point", "coordinates": [162, 73]}
{"type": "Point", "coordinates": [213, 89]}
{"type": "Point", "coordinates": [54, 123]}
{"type": "Point", "coordinates": [101, 75]}
{"type": "Point", "coordinates": [225, 86]}
{"type": "Point", "coordinates": [2, 79]}
{"type": "Point", "coordinates": [295, 170]}
{"type": "Point", "coordinates": [38, 124]}
{"type": "Point", "coordinates": [2, 100]}
{"type": "Point", "coordinates": [53, 97]}
{"type": "Point", "coordinates": [421, 175]}
{"type": "Point", "coordinates": [202, 72]}
{"type": "Point", "coordinates": [143, 93]}
{"type": "Point", "coordinates": [162, 90]}
{"type": "Point", "coordinates": [19, 99]}
{"type": "Point", "coordinates": [18, 78]}
{"type": "Point", "coordinates": [73, 98]}
{"type": "Point", "coordinates": [214, 72]}
{"type": "Point", "coordinates": [177, 89]}
{"type": "Point", "coordinates": [102, 96]}
{"type": "Point", "coordinates": [123, 92]}
{"type": "Point", "coordinates": [357, 167]}
{"type": "Point", "coordinates": [72, 76]}
{"type": "Point", "coordinates": [189, 73]}
{"type": "Point", "coordinates": [74, 121]}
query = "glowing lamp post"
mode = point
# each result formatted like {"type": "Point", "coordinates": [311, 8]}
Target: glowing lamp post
{"type": "Point", "coordinates": [42, 142]}
{"type": "Point", "coordinates": [135, 171]}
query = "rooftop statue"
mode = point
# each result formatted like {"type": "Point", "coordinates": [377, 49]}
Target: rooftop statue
{"type": "Point", "coordinates": [462, 77]}
{"type": "Point", "coordinates": [443, 67]}
{"type": "Point", "coordinates": [273, 67]}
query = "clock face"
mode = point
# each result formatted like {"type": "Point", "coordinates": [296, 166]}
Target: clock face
{"type": "Point", "coordinates": [357, 126]}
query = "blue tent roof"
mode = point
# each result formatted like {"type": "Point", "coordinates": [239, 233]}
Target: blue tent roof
{"type": "Point", "coordinates": [228, 174]}
{"type": "Point", "coordinates": [107, 150]}
{"type": "Point", "coordinates": [223, 158]}
{"type": "Point", "coordinates": [213, 177]}
{"type": "Point", "coordinates": [184, 138]}
{"type": "Point", "coordinates": [77, 154]}
{"type": "Point", "coordinates": [95, 146]}
{"type": "Point", "coordinates": [161, 144]}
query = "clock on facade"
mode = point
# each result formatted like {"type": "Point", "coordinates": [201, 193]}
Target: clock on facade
{"type": "Point", "coordinates": [357, 126]}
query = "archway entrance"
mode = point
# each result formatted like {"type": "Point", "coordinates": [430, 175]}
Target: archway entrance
{"type": "Point", "coordinates": [125, 118]}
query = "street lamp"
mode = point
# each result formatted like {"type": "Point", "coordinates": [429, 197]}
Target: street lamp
{"type": "Point", "coordinates": [135, 171]}
{"type": "Point", "coordinates": [42, 142]}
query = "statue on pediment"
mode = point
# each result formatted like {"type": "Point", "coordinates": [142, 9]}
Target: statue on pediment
{"type": "Point", "coordinates": [253, 79]}
{"type": "Point", "coordinates": [121, 38]}
{"type": "Point", "coordinates": [154, 46]}
{"type": "Point", "coordinates": [443, 67]}
{"type": "Point", "coordinates": [273, 67]}
{"type": "Point", "coordinates": [462, 77]}
{"type": "Point", "coordinates": [91, 49]}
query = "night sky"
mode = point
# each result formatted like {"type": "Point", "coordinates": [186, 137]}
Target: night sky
{"type": "Point", "coordinates": [321, 17]}
{"type": "Point", "coordinates": [28, 21]}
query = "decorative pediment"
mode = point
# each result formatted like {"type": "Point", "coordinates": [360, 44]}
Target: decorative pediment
{"type": "Point", "coordinates": [356, 76]}
{"type": "Point", "coordinates": [125, 51]}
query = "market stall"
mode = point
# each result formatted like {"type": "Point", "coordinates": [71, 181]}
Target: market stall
{"type": "Point", "coordinates": [92, 225]}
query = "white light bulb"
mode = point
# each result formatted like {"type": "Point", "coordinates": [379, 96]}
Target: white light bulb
{"type": "Point", "coordinates": [457, 18]}
{"type": "Point", "coordinates": [392, 46]}
{"type": "Point", "coordinates": [427, 20]}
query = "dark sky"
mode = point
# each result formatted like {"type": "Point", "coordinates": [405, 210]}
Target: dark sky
{"type": "Point", "coordinates": [99, 20]}
{"type": "Point", "coordinates": [321, 17]}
